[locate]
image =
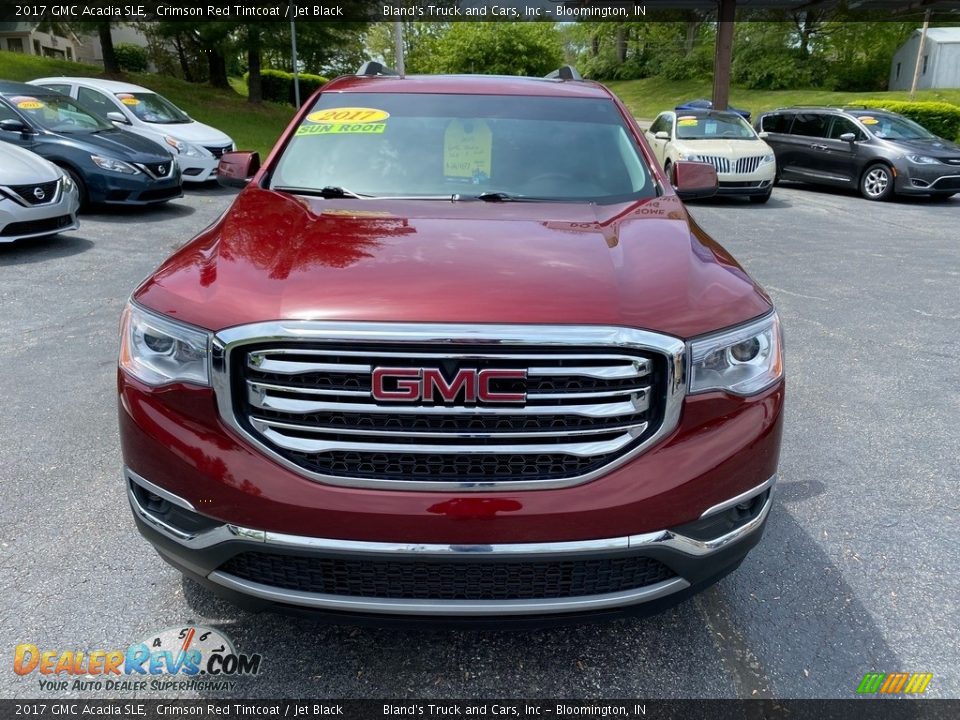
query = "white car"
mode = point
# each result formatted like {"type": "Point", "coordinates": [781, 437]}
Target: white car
{"type": "Point", "coordinates": [196, 146]}
{"type": "Point", "coordinates": [745, 164]}
{"type": "Point", "coordinates": [36, 197]}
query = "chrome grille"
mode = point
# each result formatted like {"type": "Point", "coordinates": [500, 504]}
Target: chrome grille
{"type": "Point", "coordinates": [720, 164]}
{"type": "Point", "coordinates": [42, 194]}
{"type": "Point", "coordinates": [309, 403]}
{"type": "Point", "coordinates": [748, 164]}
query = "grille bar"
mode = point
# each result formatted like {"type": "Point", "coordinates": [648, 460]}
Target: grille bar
{"type": "Point", "coordinates": [629, 367]}
{"type": "Point", "coordinates": [308, 445]}
{"type": "Point", "coordinates": [260, 396]}
{"type": "Point", "coordinates": [636, 427]}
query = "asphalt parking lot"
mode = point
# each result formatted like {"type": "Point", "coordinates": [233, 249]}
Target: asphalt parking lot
{"type": "Point", "coordinates": [857, 571]}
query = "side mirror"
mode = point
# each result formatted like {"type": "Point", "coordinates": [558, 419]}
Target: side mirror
{"type": "Point", "coordinates": [849, 137]}
{"type": "Point", "coordinates": [695, 180]}
{"type": "Point", "coordinates": [236, 169]}
{"type": "Point", "coordinates": [662, 135]}
{"type": "Point", "coordinates": [118, 117]}
{"type": "Point", "coordinates": [12, 125]}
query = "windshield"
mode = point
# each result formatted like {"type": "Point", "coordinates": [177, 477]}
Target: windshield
{"type": "Point", "coordinates": [713, 126]}
{"type": "Point", "coordinates": [413, 144]}
{"type": "Point", "coordinates": [892, 127]}
{"type": "Point", "coordinates": [57, 113]}
{"type": "Point", "coordinates": [153, 108]}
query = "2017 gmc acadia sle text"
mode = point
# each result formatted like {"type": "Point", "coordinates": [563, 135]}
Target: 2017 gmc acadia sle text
{"type": "Point", "coordinates": [456, 350]}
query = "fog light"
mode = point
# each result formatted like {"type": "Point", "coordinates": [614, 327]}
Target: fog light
{"type": "Point", "coordinates": [156, 504]}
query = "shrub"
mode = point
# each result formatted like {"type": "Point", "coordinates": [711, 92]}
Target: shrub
{"type": "Point", "coordinates": [940, 118]}
{"type": "Point", "coordinates": [131, 58]}
{"type": "Point", "coordinates": [278, 86]}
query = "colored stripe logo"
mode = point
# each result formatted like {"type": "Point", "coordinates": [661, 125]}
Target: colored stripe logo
{"type": "Point", "coordinates": [894, 683]}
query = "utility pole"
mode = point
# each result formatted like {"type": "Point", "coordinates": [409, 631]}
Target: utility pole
{"type": "Point", "coordinates": [723, 55]}
{"type": "Point", "coordinates": [293, 51]}
{"type": "Point", "coordinates": [923, 41]}
{"type": "Point", "coordinates": [398, 46]}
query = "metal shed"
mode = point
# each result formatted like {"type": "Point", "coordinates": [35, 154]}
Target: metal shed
{"type": "Point", "coordinates": [939, 63]}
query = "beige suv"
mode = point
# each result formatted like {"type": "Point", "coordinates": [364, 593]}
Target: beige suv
{"type": "Point", "coordinates": [745, 164]}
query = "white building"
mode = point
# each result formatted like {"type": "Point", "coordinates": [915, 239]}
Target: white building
{"type": "Point", "coordinates": [939, 63]}
{"type": "Point", "coordinates": [24, 37]}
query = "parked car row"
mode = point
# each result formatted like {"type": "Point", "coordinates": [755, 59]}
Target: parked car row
{"type": "Point", "coordinates": [71, 142]}
{"type": "Point", "coordinates": [874, 151]}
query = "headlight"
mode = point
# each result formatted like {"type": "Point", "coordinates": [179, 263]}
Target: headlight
{"type": "Point", "coordinates": [67, 182]}
{"type": "Point", "coordinates": [112, 165]}
{"type": "Point", "coordinates": [692, 157]}
{"type": "Point", "coordinates": [922, 159]}
{"type": "Point", "coordinates": [184, 148]}
{"type": "Point", "coordinates": [159, 351]}
{"type": "Point", "coordinates": [742, 361]}
{"type": "Point", "coordinates": [766, 159]}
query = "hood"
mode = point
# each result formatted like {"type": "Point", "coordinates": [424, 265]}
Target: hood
{"type": "Point", "coordinates": [119, 144]}
{"type": "Point", "coordinates": [193, 132]}
{"type": "Point", "coordinates": [725, 148]}
{"type": "Point", "coordinates": [936, 147]}
{"type": "Point", "coordinates": [275, 256]}
{"type": "Point", "coordinates": [22, 167]}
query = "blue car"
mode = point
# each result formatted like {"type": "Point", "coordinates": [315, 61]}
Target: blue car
{"type": "Point", "coordinates": [108, 165]}
{"type": "Point", "coordinates": [704, 104]}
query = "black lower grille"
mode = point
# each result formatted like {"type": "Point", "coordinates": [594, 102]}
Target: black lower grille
{"type": "Point", "coordinates": [449, 467]}
{"type": "Point", "coordinates": [448, 580]}
{"type": "Point", "coordinates": [159, 194]}
{"type": "Point", "coordinates": [947, 183]}
{"type": "Point", "coordinates": [35, 227]}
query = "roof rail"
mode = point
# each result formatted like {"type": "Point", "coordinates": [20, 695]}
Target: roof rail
{"type": "Point", "coordinates": [372, 67]}
{"type": "Point", "coordinates": [564, 72]}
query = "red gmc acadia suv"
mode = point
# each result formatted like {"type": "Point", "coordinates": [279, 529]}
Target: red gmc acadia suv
{"type": "Point", "coordinates": [456, 350]}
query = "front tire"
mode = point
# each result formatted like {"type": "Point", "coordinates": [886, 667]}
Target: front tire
{"type": "Point", "coordinates": [877, 182]}
{"type": "Point", "coordinates": [668, 171]}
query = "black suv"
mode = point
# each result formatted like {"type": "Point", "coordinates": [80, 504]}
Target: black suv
{"type": "Point", "coordinates": [876, 151]}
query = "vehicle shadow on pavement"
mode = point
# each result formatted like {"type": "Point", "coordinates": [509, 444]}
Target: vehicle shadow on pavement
{"type": "Point", "coordinates": [785, 624]}
{"type": "Point", "coordinates": [209, 189]}
{"type": "Point", "coordinates": [912, 200]}
{"type": "Point", "coordinates": [34, 250]}
{"type": "Point", "coordinates": [121, 214]}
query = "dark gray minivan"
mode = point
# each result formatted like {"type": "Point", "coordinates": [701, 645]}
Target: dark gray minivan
{"type": "Point", "coordinates": [875, 151]}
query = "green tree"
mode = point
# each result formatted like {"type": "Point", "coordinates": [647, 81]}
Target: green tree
{"type": "Point", "coordinates": [499, 48]}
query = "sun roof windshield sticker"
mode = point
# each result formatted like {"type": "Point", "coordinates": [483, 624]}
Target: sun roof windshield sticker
{"type": "Point", "coordinates": [467, 151]}
{"type": "Point", "coordinates": [710, 128]}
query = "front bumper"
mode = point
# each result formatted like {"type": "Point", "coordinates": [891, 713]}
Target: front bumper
{"type": "Point", "coordinates": [927, 179]}
{"type": "Point", "coordinates": [198, 170]}
{"type": "Point", "coordinates": [140, 189]}
{"type": "Point", "coordinates": [18, 222]}
{"type": "Point", "coordinates": [678, 562]}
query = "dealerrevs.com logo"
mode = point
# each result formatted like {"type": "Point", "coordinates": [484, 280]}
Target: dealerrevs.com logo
{"type": "Point", "coordinates": [181, 658]}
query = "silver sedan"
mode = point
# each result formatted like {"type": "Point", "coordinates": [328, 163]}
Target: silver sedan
{"type": "Point", "coordinates": [36, 197]}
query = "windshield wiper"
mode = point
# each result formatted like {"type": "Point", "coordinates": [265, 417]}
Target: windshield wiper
{"type": "Point", "coordinates": [507, 197]}
{"type": "Point", "coordinates": [329, 192]}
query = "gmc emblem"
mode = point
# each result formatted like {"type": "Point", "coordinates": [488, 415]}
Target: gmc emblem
{"type": "Point", "coordinates": [421, 384]}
